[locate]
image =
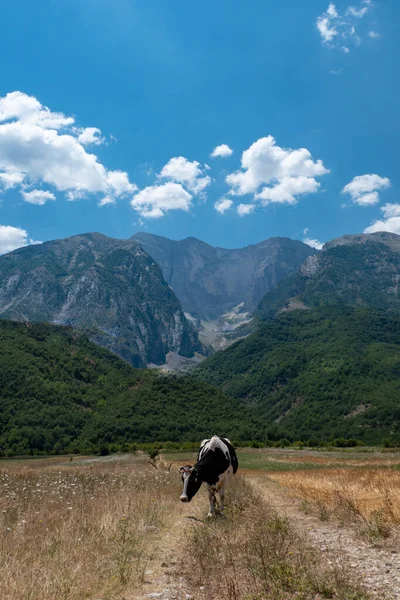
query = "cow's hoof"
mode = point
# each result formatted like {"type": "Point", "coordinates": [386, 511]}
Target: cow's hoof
{"type": "Point", "coordinates": [210, 515]}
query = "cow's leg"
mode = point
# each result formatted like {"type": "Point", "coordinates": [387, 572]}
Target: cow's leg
{"type": "Point", "coordinates": [222, 497]}
{"type": "Point", "coordinates": [211, 497]}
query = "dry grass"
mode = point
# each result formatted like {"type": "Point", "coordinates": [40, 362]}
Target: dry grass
{"type": "Point", "coordinates": [79, 532]}
{"type": "Point", "coordinates": [253, 554]}
{"type": "Point", "coordinates": [368, 497]}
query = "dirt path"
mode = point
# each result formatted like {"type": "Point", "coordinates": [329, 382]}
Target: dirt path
{"type": "Point", "coordinates": [376, 569]}
{"type": "Point", "coordinates": [163, 576]}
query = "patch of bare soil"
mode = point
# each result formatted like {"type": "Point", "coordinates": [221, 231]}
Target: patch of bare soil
{"type": "Point", "coordinates": [377, 569]}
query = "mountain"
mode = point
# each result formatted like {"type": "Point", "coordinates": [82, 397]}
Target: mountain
{"type": "Point", "coordinates": [109, 287]}
{"type": "Point", "coordinates": [357, 270]}
{"type": "Point", "coordinates": [210, 281]}
{"type": "Point", "coordinates": [61, 393]}
{"type": "Point", "coordinates": [318, 374]}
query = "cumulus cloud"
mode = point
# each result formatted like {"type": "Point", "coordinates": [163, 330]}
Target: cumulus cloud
{"type": "Point", "coordinates": [311, 241]}
{"type": "Point", "coordinates": [284, 173]}
{"type": "Point", "coordinates": [341, 30]}
{"type": "Point", "coordinates": [390, 221]}
{"type": "Point", "coordinates": [185, 179]}
{"type": "Point", "coordinates": [12, 238]}
{"type": "Point", "coordinates": [223, 150]}
{"type": "Point", "coordinates": [10, 179]}
{"type": "Point", "coordinates": [38, 197]}
{"type": "Point", "coordinates": [156, 200]}
{"type": "Point", "coordinates": [190, 174]}
{"type": "Point", "coordinates": [223, 205]}
{"type": "Point", "coordinates": [245, 209]}
{"type": "Point", "coordinates": [288, 189]}
{"type": "Point", "coordinates": [90, 135]}
{"type": "Point", "coordinates": [38, 146]}
{"type": "Point", "coordinates": [364, 189]}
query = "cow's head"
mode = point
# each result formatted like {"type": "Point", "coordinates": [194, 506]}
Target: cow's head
{"type": "Point", "coordinates": [191, 482]}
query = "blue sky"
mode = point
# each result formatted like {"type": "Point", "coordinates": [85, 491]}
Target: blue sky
{"type": "Point", "coordinates": [308, 90]}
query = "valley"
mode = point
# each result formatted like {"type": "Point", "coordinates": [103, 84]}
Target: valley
{"type": "Point", "coordinates": [318, 361]}
{"type": "Point", "coordinates": [113, 527]}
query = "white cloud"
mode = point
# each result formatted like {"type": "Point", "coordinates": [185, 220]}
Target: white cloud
{"type": "Point", "coordinates": [12, 238]}
{"type": "Point", "coordinates": [390, 221]}
{"type": "Point", "coordinates": [288, 189]}
{"type": "Point", "coordinates": [364, 189]}
{"type": "Point", "coordinates": [38, 197]}
{"type": "Point", "coordinates": [313, 243]}
{"type": "Point", "coordinates": [310, 241]}
{"type": "Point", "coordinates": [326, 28]}
{"type": "Point", "coordinates": [245, 209]}
{"type": "Point", "coordinates": [39, 146]}
{"type": "Point", "coordinates": [90, 135]}
{"type": "Point", "coordinates": [10, 179]}
{"type": "Point", "coordinates": [336, 71]}
{"type": "Point", "coordinates": [287, 173]}
{"type": "Point", "coordinates": [335, 28]}
{"type": "Point", "coordinates": [189, 174]}
{"type": "Point", "coordinates": [391, 210]}
{"type": "Point", "coordinates": [28, 110]}
{"type": "Point", "coordinates": [332, 12]}
{"type": "Point", "coordinates": [106, 200]}
{"type": "Point", "coordinates": [223, 205]}
{"type": "Point", "coordinates": [119, 184]}
{"type": "Point", "coordinates": [155, 200]}
{"type": "Point", "coordinates": [358, 13]}
{"type": "Point", "coordinates": [373, 34]}
{"type": "Point", "coordinates": [223, 150]}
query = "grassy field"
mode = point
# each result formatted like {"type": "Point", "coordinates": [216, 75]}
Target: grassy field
{"type": "Point", "coordinates": [358, 487]}
{"type": "Point", "coordinates": [78, 529]}
{"type": "Point", "coordinates": [88, 527]}
{"type": "Point", "coordinates": [283, 459]}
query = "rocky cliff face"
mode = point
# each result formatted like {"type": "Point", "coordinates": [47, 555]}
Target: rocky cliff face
{"type": "Point", "coordinates": [212, 281]}
{"type": "Point", "coordinates": [356, 270]}
{"type": "Point", "coordinates": [111, 288]}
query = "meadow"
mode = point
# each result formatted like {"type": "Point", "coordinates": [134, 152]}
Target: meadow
{"type": "Point", "coordinates": [81, 529]}
{"type": "Point", "coordinates": [112, 528]}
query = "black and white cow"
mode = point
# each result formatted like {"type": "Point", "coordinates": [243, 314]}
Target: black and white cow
{"type": "Point", "coordinates": [216, 463]}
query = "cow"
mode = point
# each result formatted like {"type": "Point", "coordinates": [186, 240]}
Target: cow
{"type": "Point", "coordinates": [216, 463]}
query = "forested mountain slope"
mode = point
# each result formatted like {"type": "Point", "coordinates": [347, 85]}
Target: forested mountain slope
{"type": "Point", "coordinates": [60, 392]}
{"type": "Point", "coordinates": [109, 287]}
{"type": "Point", "coordinates": [362, 270]}
{"type": "Point", "coordinates": [320, 374]}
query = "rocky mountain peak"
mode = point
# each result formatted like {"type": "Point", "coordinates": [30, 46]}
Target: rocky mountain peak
{"type": "Point", "coordinates": [392, 240]}
{"type": "Point", "coordinates": [210, 281]}
{"type": "Point", "coordinates": [111, 288]}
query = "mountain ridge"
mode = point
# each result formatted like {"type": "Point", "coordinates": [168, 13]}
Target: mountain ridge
{"type": "Point", "coordinates": [209, 281]}
{"type": "Point", "coordinates": [358, 270]}
{"type": "Point", "coordinates": [98, 283]}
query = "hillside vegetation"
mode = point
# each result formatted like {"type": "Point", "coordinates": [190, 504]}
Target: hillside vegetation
{"type": "Point", "coordinates": [318, 374]}
{"type": "Point", "coordinates": [59, 392]}
{"type": "Point", "coordinates": [359, 272]}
